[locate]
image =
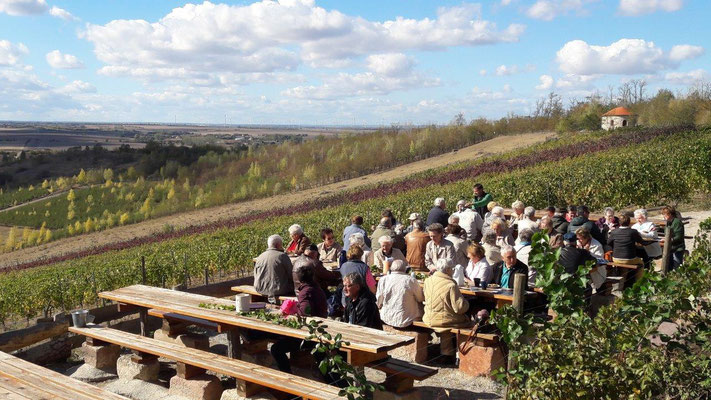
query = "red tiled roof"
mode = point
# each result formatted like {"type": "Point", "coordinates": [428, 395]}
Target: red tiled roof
{"type": "Point", "coordinates": [618, 111]}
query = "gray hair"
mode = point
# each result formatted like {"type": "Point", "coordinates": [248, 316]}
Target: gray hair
{"type": "Point", "coordinates": [418, 224]}
{"type": "Point", "coordinates": [436, 227]}
{"type": "Point", "coordinates": [498, 211]}
{"type": "Point", "coordinates": [386, 222]}
{"type": "Point", "coordinates": [439, 201]}
{"type": "Point", "coordinates": [357, 239]}
{"type": "Point", "coordinates": [530, 212]}
{"type": "Point", "coordinates": [506, 249]}
{"type": "Point", "coordinates": [525, 235]}
{"type": "Point", "coordinates": [640, 212]}
{"type": "Point", "coordinates": [453, 219]}
{"type": "Point", "coordinates": [517, 204]}
{"type": "Point", "coordinates": [444, 265]}
{"type": "Point", "coordinates": [610, 209]}
{"type": "Point", "coordinates": [295, 230]}
{"type": "Point", "coordinates": [489, 237]}
{"type": "Point", "coordinates": [355, 278]}
{"type": "Point", "coordinates": [274, 240]}
{"type": "Point", "coordinates": [398, 266]}
{"type": "Point", "coordinates": [384, 238]}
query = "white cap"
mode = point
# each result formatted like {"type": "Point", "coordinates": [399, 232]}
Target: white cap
{"type": "Point", "coordinates": [414, 216]}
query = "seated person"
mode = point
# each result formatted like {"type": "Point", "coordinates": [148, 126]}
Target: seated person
{"type": "Point", "coordinates": [624, 241]}
{"type": "Point", "coordinates": [399, 296]}
{"type": "Point", "coordinates": [527, 222]}
{"type": "Point", "coordinates": [560, 223]}
{"type": "Point", "coordinates": [361, 305]}
{"type": "Point", "coordinates": [491, 249]}
{"type": "Point", "coordinates": [555, 239]}
{"type": "Point", "coordinates": [512, 266]}
{"type": "Point", "coordinates": [356, 265]}
{"type": "Point", "coordinates": [299, 241]}
{"type": "Point", "coordinates": [329, 249]}
{"type": "Point", "coordinates": [648, 230]}
{"type": "Point", "coordinates": [517, 215]}
{"type": "Point", "coordinates": [384, 228]}
{"type": "Point", "coordinates": [438, 247]}
{"type": "Point", "coordinates": [454, 235]}
{"type": "Point", "coordinates": [445, 307]}
{"type": "Point", "coordinates": [496, 212]}
{"type": "Point", "coordinates": [386, 251]}
{"type": "Point", "coordinates": [359, 240]}
{"type": "Point", "coordinates": [273, 270]}
{"type": "Point", "coordinates": [478, 267]}
{"type": "Point", "coordinates": [322, 276]}
{"type": "Point", "coordinates": [523, 249]}
{"type": "Point", "coordinates": [587, 242]}
{"type": "Point", "coordinates": [503, 233]}
{"type": "Point", "coordinates": [572, 257]}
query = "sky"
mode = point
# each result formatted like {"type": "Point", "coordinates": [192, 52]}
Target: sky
{"type": "Point", "coordinates": [335, 62]}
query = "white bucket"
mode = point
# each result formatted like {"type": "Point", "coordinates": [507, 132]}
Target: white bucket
{"type": "Point", "coordinates": [243, 302]}
{"type": "Point", "coordinates": [81, 317]}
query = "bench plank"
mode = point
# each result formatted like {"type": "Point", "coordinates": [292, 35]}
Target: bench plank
{"type": "Point", "coordinates": [238, 369]}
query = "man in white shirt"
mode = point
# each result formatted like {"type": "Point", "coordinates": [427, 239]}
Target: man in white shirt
{"type": "Point", "coordinates": [470, 221]}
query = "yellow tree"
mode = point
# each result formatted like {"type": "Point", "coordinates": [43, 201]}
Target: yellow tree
{"type": "Point", "coordinates": [81, 178]}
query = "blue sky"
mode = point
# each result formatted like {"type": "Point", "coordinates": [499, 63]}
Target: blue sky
{"type": "Point", "coordinates": [335, 62]}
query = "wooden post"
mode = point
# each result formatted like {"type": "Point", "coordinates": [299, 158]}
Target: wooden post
{"type": "Point", "coordinates": [143, 269]}
{"type": "Point", "coordinates": [143, 315]}
{"type": "Point", "coordinates": [185, 271]}
{"type": "Point", "coordinates": [207, 276]}
{"type": "Point", "coordinates": [519, 292]}
{"type": "Point", "coordinates": [234, 347]}
{"type": "Point", "coordinates": [665, 254]}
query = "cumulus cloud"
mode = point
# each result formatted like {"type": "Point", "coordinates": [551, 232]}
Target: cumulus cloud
{"type": "Point", "coordinates": [23, 7]}
{"type": "Point", "coordinates": [391, 64]}
{"type": "Point", "coordinates": [547, 10]}
{"type": "Point", "coordinates": [270, 36]}
{"type": "Point", "coordinates": [482, 72]}
{"type": "Point", "coordinates": [687, 78]}
{"type": "Point", "coordinates": [504, 70]}
{"type": "Point", "coordinates": [58, 60]}
{"type": "Point", "coordinates": [78, 87]}
{"type": "Point", "coordinates": [62, 13]}
{"type": "Point", "coordinates": [10, 53]}
{"type": "Point", "coordinates": [546, 82]}
{"type": "Point", "coordinates": [624, 57]}
{"type": "Point", "coordinates": [641, 7]}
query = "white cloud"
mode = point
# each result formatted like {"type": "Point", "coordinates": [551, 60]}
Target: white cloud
{"type": "Point", "coordinates": [270, 36]}
{"type": "Point", "coordinates": [505, 70]}
{"type": "Point", "coordinates": [640, 7]}
{"type": "Point", "coordinates": [687, 78]}
{"type": "Point", "coordinates": [62, 13]}
{"type": "Point", "coordinates": [23, 7]}
{"type": "Point", "coordinates": [78, 87]}
{"type": "Point", "coordinates": [505, 2]}
{"type": "Point", "coordinates": [546, 82]}
{"type": "Point", "coordinates": [624, 57]}
{"type": "Point", "coordinates": [685, 52]}
{"type": "Point", "coordinates": [392, 64]}
{"type": "Point", "coordinates": [63, 61]}
{"type": "Point", "coordinates": [572, 81]}
{"type": "Point", "coordinates": [482, 72]}
{"type": "Point", "coordinates": [11, 54]}
{"type": "Point", "coordinates": [547, 10]}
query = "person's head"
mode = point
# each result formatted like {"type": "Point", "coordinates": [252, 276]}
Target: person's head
{"type": "Point", "coordinates": [546, 225]}
{"type": "Point", "coordinates": [509, 255]}
{"type": "Point", "coordinates": [640, 215]}
{"type": "Point", "coordinates": [386, 243]}
{"type": "Point", "coordinates": [275, 242]}
{"type": "Point", "coordinates": [498, 225]}
{"type": "Point", "coordinates": [352, 285]}
{"type": "Point", "coordinates": [490, 205]}
{"type": "Point", "coordinates": [570, 239]}
{"type": "Point", "coordinates": [356, 239]}
{"type": "Point", "coordinates": [583, 236]}
{"type": "Point", "coordinates": [418, 225]}
{"type": "Point", "coordinates": [355, 252]}
{"type": "Point", "coordinates": [582, 211]}
{"type": "Point", "coordinates": [398, 266]}
{"type": "Point", "coordinates": [436, 232]}
{"type": "Point", "coordinates": [572, 211]}
{"type": "Point", "coordinates": [305, 274]}
{"type": "Point", "coordinates": [518, 207]}
{"type": "Point", "coordinates": [295, 231]}
{"type": "Point", "coordinates": [475, 252]}
{"type": "Point", "coordinates": [445, 266]}
{"type": "Point", "coordinates": [454, 229]}
{"type": "Point", "coordinates": [530, 213]}
{"type": "Point", "coordinates": [668, 212]}
{"type": "Point", "coordinates": [357, 220]}
{"type": "Point", "coordinates": [525, 235]}
{"type": "Point", "coordinates": [386, 222]}
{"type": "Point", "coordinates": [489, 238]}
{"type": "Point", "coordinates": [498, 212]}
{"type": "Point", "coordinates": [414, 217]}
{"type": "Point", "coordinates": [439, 202]}
{"type": "Point", "coordinates": [478, 190]}
{"type": "Point", "coordinates": [453, 220]}
{"type": "Point", "coordinates": [327, 236]}
{"type": "Point", "coordinates": [609, 212]}
{"type": "Point", "coordinates": [550, 211]}
{"type": "Point", "coordinates": [461, 205]}
{"type": "Point", "coordinates": [624, 220]}
{"type": "Point", "coordinates": [311, 251]}
{"type": "Point", "coordinates": [388, 213]}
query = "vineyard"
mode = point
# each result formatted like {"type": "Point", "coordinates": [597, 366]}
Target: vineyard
{"type": "Point", "coordinates": [636, 168]}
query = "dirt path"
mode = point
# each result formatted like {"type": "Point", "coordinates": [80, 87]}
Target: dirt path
{"type": "Point", "coordinates": [209, 215]}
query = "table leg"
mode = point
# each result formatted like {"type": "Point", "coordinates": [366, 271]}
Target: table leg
{"type": "Point", "coordinates": [234, 346]}
{"type": "Point", "coordinates": [143, 315]}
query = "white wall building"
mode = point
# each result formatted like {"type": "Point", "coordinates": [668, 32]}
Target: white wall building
{"type": "Point", "coordinates": [617, 118]}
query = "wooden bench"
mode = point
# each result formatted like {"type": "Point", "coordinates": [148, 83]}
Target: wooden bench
{"type": "Point", "coordinates": [22, 380]}
{"type": "Point", "coordinates": [401, 375]}
{"type": "Point", "coordinates": [192, 362]}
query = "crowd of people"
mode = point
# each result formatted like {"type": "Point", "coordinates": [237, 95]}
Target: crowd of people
{"type": "Point", "coordinates": [476, 245]}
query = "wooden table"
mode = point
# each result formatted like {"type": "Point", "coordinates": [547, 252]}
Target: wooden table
{"type": "Point", "coordinates": [256, 296]}
{"type": "Point", "coordinates": [22, 380]}
{"type": "Point", "coordinates": [365, 344]}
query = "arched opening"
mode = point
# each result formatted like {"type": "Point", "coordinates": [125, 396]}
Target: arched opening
{"type": "Point", "coordinates": [624, 122]}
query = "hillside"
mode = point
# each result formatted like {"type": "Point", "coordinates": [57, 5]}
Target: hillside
{"type": "Point", "coordinates": [211, 215]}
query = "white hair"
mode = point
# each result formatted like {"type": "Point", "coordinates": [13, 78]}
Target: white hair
{"type": "Point", "coordinates": [609, 209]}
{"type": "Point", "coordinates": [384, 238]}
{"type": "Point", "coordinates": [518, 204]}
{"type": "Point", "coordinates": [295, 230]}
{"type": "Point", "coordinates": [530, 212]}
{"type": "Point", "coordinates": [439, 201]}
{"type": "Point", "coordinates": [274, 241]}
{"type": "Point", "coordinates": [506, 249]}
{"type": "Point", "coordinates": [453, 219]}
{"type": "Point", "coordinates": [357, 239]}
{"type": "Point", "coordinates": [640, 211]}
{"type": "Point", "coordinates": [398, 266]}
{"type": "Point", "coordinates": [444, 265]}
{"type": "Point", "coordinates": [498, 210]}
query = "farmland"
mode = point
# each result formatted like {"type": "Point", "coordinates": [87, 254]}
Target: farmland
{"type": "Point", "coordinates": [583, 168]}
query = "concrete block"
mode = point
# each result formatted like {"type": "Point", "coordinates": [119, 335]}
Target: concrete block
{"type": "Point", "coordinates": [89, 374]}
{"type": "Point", "coordinates": [101, 357]}
{"type": "Point", "coordinates": [263, 358]}
{"type": "Point", "coordinates": [480, 361]}
{"type": "Point", "coordinates": [234, 394]}
{"type": "Point", "coordinates": [413, 394]}
{"type": "Point", "coordinates": [415, 351]}
{"type": "Point", "coordinates": [203, 387]}
{"type": "Point", "coordinates": [127, 369]}
{"type": "Point", "coordinates": [191, 340]}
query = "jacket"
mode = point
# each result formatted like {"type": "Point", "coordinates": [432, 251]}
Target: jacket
{"type": "Point", "coordinates": [311, 301]}
{"type": "Point", "coordinates": [445, 307]}
{"type": "Point", "coordinates": [572, 257]}
{"type": "Point", "coordinates": [351, 229]}
{"type": "Point", "coordinates": [400, 298]}
{"type": "Point", "coordinates": [479, 204]}
{"type": "Point", "coordinates": [623, 241]}
{"type": "Point", "coordinates": [677, 235]}
{"type": "Point", "coordinates": [437, 215]}
{"type": "Point", "coordinates": [273, 273]}
{"type": "Point", "coordinates": [648, 231]}
{"type": "Point", "coordinates": [416, 246]}
{"type": "Point", "coordinates": [363, 310]}
{"type": "Point", "coordinates": [380, 257]}
{"type": "Point", "coordinates": [434, 252]}
{"type": "Point", "coordinates": [329, 255]}
{"type": "Point", "coordinates": [493, 254]}
{"type": "Point", "coordinates": [322, 277]}
{"type": "Point", "coordinates": [560, 224]}
{"type": "Point", "coordinates": [377, 233]}
{"type": "Point", "coordinates": [518, 268]}
{"type": "Point", "coordinates": [471, 222]}
{"type": "Point", "coordinates": [301, 245]}
{"type": "Point", "coordinates": [460, 250]}
{"type": "Point", "coordinates": [579, 222]}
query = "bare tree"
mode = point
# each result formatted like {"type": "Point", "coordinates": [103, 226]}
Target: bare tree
{"type": "Point", "coordinates": [625, 93]}
{"type": "Point", "coordinates": [459, 119]}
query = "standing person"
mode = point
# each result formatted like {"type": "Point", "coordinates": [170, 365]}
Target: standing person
{"type": "Point", "coordinates": [273, 270]}
{"type": "Point", "coordinates": [677, 245]}
{"type": "Point", "coordinates": [438, 214]}
{"type": "Point", "coordinates": [470, 221]}
{"type": "Point", "coordinates": [417, 246]}
{"type": "Point", "coordinates": [384, 229]}
{"type": "Point", "coordinates": [299, 241]}
{"type": "Point", "coordinates": [399, 297]}
{"type": "Point", "coordinates": [354, 227]}
{"type": "Point", "coordinates": [481, 200]}
{"type": "Point", "coordinates": [329, 249]}
{"type": "Point", "coordinates": [648, 230]}
{"type": "Point", "coordinates": [438, 247]}
{"type": "Point", "coordinates": [361, 304]}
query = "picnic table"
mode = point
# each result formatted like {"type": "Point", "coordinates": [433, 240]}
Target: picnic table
{"type": "Point", "coordinates": [22, 380]}
{"type": "Point", "coordinates": [365, 344]}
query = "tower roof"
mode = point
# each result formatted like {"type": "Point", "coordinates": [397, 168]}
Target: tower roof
{"type": "Point", "coordinates": [618, 111]}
